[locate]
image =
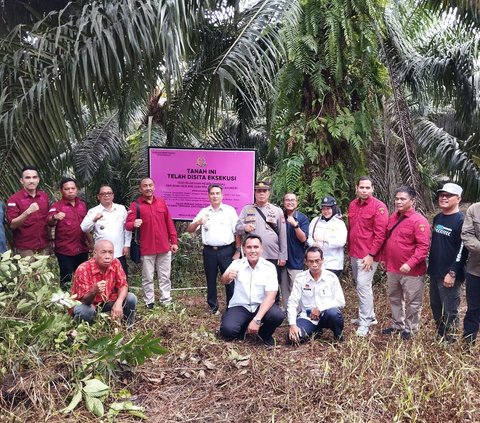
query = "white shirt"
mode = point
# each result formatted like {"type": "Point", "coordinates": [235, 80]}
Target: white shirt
{"type": "Point", "coordinates": [308, 293]}
{"type": "Point", "coordinates": [331, 237]}
{"type": "Point", "coordinates": [110, 226]}
{"type": "Point", "coordinates": [220, 228]}
{"type": "Point", "coordinates": [251, 285]}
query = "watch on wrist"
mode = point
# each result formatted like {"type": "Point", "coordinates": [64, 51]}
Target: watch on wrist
{"type": "Point", "coordinates": [452, 273]}
{"type": "Point", "coordinates": [258, 322]}
{"type": "Point", "coordinates": [238, 249]}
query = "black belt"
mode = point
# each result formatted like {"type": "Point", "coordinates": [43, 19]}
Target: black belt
{"type": "Point", "coordinates": [216, 248]}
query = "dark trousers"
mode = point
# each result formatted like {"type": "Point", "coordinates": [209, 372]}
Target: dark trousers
{"type": "Point", "coordinates": [123, 262]}
{"type": "Point", "coordinates": [279, 277]}
{"type": "Point", "coordinates": [472, 316]}
{"type": "Point", "coordinates": [236, 320]}
{"type": "Point", "coordinates": [213, 261]}
{"type": "Point", "coordinates": [444, 303]}
{"type": "Point", "coordinates": [329, 319]}
{"type": "Point", "coordinates": [338, 272]}
{"type": "Point", "coordinates": [68, 265]}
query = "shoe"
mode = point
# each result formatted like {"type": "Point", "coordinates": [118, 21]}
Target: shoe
{"type": "Point", "coordinates": [166, 303]}
{"type": "Point", "coordinates": [268, 341]}
{"type": "Point", "coordinates": [362, 331]}
{"type": "Point", "coordinates": [357, 322]}
{"type": "Point", "coordinates": [150, 306]}
{"type": "Point", "coordinates": [390, 331]}
{"type": "Point", "coordinates": [214, 312]}
{"type": "Point", "coordinates": [406, 336]}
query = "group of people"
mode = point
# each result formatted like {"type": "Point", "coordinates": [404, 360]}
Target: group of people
{"type": "Point", "coordinates": [71, 230]}
{"type": "Point", "coordinates": [261, 253]}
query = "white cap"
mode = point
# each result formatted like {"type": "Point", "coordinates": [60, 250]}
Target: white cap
{"type": "Point", "coordinates": [452, 189]}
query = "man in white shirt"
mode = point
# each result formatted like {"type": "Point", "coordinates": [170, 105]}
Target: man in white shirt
{"type": "Point", "coordinates": [107, 221]}
{"type": "Point", "coordinates": [220, 244]}
{"type": "Point", "coordinates": [252, 309]}
{"type": "Point", "coordinates": [315, 301]}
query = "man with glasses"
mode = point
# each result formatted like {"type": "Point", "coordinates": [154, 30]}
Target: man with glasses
{"type": "Point", "coordinates": [447, 261]}
{"type": "Point", "coordinates": [406, 250]}
{"type": "Point", "coordinates": [107, 221]}
{"type": "Point", "coordinates": [297, 233]}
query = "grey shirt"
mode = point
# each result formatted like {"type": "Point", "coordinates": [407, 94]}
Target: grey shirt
{"type": "Point", "coordinates": [274, 246]}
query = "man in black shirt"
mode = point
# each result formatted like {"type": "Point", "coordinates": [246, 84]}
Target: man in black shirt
{"type": "Point", "coordinates": [447, 261]}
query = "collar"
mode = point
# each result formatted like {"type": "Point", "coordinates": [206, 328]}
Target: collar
{"type": "Point", "coordinates": [365, 202]}
{"type": "Point", "coordinates": [26, 194]}
{"type": "Point", "coordinates": [67, 203]}
{"type": "Point", "coordinates": [407, 214]}
{"type": "Point", "coordinates": [220, 207]}
{"type": "Point", "coordinates": [142, 199]}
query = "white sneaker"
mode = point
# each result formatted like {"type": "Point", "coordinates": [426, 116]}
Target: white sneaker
{"type": "Point", "coordinates": [357, 321]}
{"type": "Point", "coordinates": [362, 331]}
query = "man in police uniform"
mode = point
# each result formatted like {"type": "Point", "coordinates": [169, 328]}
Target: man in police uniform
{"type": "Point", "coordinates": [218, 222]}
{"type": "Point", "coordinates": [268, 222]}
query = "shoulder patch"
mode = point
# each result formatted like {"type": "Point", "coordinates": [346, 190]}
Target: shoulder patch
{"type": "Point", "coordinates": [381, 210]}
{"type": "Point", "coordinates": [11, 204]}
{"type": "Point", "coordinates": [421, 227]}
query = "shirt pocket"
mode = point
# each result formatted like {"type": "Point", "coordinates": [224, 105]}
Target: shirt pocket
{"type": "Point", "coordinates": [259, 289]}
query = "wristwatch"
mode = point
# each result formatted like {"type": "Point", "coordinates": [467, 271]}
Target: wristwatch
{"type": "Point", "coordinates": [452, 273]}
{"type": "Point", "coordinates": [258, 322]}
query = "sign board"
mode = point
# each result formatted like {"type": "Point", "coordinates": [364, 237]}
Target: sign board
{"type": "Point", "coordinates": [182, 177]}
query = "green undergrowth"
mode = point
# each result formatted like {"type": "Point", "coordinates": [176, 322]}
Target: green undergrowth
{"type": "Point", "coordinates": [50, 364]}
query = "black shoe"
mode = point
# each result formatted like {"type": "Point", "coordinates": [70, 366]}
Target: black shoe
{"type": "Point", "coordinates": [268, 341]}
{"type": "Point", "coordinates": [214, 311]}
{"type": "Point", "coordinates": [150, 306]}
{"type": "Point", "coordinates": [390, 331]}
{"type": "Point", "coordinates": [406, 336]}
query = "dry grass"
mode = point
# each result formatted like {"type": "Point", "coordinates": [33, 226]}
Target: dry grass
{"type": "Point", "coordinates": [204, 379]}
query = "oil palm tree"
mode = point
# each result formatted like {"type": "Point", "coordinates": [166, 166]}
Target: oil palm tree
{"type": "Point", "coordinates": [77, 67]}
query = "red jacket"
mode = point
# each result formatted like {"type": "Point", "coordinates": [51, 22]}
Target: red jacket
{"type": "Point", "coordinates": [408, 243]}
{"type": "Point", "coordinates": [33, 233]}
{"type": "Point", "coordinates": [157, 232]}
{"type": "Point", "coordinates": [367, 224]}
{"type": "Point", "coordinates": [70, 240]}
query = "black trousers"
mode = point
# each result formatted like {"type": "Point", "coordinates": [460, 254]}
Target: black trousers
{"type": "Point", "coordinates": [235, 322]}
{"type": "Point", "coordinates": [123, 262]}
{"type": "Point", "coordinates": [279, 277]}
{"type": "Point", "coordinates": [213, 261]}
{"type": "Point", "coordinates": [68, 265]}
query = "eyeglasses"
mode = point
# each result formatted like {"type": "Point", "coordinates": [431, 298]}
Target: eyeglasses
{"type": "Point", "coordinates": [104, 194]}
{"type": "Point", "coordinates": [289, 200]}
{"type": "Point", "coordinates": [446, 195]}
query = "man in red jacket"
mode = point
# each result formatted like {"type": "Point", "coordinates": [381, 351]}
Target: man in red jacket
{"type": "Point", "coordinates": [406, 250]}
{"type": "Point", "coordinates": [367, 224]}
{"type": "Point", "coordinates": [158, 240]}
{"type": "Point", "coordinates": [71, 243]}
{"type": "Point", "coordinates": [27, 212]}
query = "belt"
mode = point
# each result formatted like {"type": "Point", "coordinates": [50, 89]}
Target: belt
{"type": "Point", "coordinates": [220, 247]}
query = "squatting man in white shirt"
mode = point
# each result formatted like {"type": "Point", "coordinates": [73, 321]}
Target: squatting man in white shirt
{"type": "Point", "coordinates": [252, 309]}
{"type": "Point", "coordinates": [315, 301]}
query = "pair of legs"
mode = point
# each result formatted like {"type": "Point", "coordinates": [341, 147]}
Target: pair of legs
{"type": "Point", "coordinates": [329, 319]}
{"type": "Point", "coordinates": [162, 263]}
{"type": "Point", "coordinates": [286, 283]}
{"type": "Point", "coordinates": [123, 262]}
{"type": "Point", "coordinates": [87, 313]}
{"type": "Point", "coordinates": [471, 322]}
{"type": "Point", "coordinates": [213, 261]}
{"type": "Point", "coordinates": [363, 281]}
{"type": "Point", "coordinates": [236, 320]}
{"type": "Point", "coordinates": [444, 303]}
{"type": "Point", "coordinates": [68, 265]}
{"type": "Point", "coordinates": [405, 294]}
{"type": "Point", "coordinates": [279, 277]}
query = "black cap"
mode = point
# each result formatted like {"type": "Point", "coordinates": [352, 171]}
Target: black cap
{"type": "Point", "coordinates": [328, 201]}
{"type": "Point", "coordinates": [262, 185]}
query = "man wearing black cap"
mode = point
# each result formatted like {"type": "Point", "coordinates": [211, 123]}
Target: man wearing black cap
{"type": "Point", "coordinates": [267, 221]}
{"type": "Point", "coordinates": [446, 261]}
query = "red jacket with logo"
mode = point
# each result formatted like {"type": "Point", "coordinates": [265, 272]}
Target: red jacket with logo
{"type": "Point", "coordinates": [408, 243]}
{"type": "Point", "coordinates": [367, 224]}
